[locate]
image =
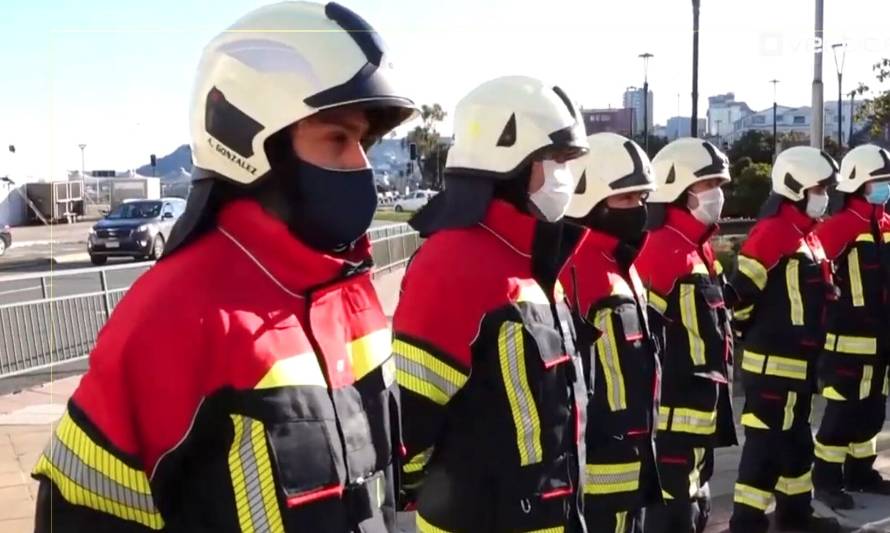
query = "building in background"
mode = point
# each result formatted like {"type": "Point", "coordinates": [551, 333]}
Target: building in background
{"type": "Point", "coordinates": [795, 121]}
{"type": "Point", "coordinates": [723, 113]}
{"type": "Point", "coordinates": [682, 127]}
{"type": "Point", "coordinates": [620, 121]}
{"type": "Point", "coordinates": [633, 99]}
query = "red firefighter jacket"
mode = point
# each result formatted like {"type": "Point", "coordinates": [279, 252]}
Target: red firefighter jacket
{"type": "Point", "coordinates": [243, 384]}
{"type": "Point", "coordinates": [492, 387]}
{"type": "Point", "coordinates": [689, 318]}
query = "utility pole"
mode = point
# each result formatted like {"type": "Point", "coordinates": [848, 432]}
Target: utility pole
{"type": "Point", "coordinates": [817, 125]}
{"type": "Point", "coordinates": [840, 95]}
{"type": "Point", "coordinates": [775, 132]}
{"type": "Point", "coordinates": [696, 4]}
{"type": "Point", "coordinates": [646, 57]}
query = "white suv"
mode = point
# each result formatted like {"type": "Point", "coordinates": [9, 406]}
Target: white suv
{"type": "Point", "coordinates": [414, 201]}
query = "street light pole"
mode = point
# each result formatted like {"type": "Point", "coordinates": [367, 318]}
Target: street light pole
{"type": "Point", "coordinates": [775, 132]}
{"type": "Point", "coordinates": [840, 97]}
{"type": "Point", "coordinates": [696, 4]}
{"type": "Point", "coordinates": [645, 57]}
{"type": "Point", "coordinates": [82, 171]}
{"type": "Point", "coordinates": [816, 125]}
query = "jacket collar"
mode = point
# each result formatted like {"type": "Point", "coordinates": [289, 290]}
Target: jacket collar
{"type": "Point", "coordinates": [858, 205]}
{"type": "Point", "coordinates": [515, 228]}
{"type": "Point", "coordinates": [292, 264]}
{"type": "Point", "coordinates": [682, 221]}
{"type": "Point", "coordinates": [799, 219]}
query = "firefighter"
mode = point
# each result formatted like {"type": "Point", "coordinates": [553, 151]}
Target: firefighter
{"type": "Point", "coordinates": [608, 297]}
{"type": "Point", "coordinates": [685, 288]}
{"type": "Point", "coordinates": [246, 382]}
{"type": "Point", "coordinates": [492, 386]}
{"type": "Point", "coordinates": [853, 365]}
{"type": "Point", "coordinates": [778, 293]}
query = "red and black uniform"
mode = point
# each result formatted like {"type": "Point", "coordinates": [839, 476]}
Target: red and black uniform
{"type": "Point", "coordinates": [853, 365]}
{"type": "Point", "coordinates": [243, 384]}
{"type": "Point", "coordinates": [492, 387]}
{"type": "Point", "coordinates": [688, 318]}
{"type": "Point", "coordinates": [780, 288]}
{"type": "Point", "coordinates": [622, 362]}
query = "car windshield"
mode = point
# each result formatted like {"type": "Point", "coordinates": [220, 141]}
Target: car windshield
{"type": "Point", "coordinates": [136, 210]}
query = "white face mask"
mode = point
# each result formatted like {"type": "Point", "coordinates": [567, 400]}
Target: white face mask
{"type": "Point", "coordinates": [710, 205]}
{"type": "Point", "coordinates": [553, 198]}
{"type": "Point", "coordinates": [816, 204]}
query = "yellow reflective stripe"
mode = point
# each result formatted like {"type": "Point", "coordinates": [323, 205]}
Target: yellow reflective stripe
{"type": "Point", "coordinates": [750, 420]}
{"type": "Point", "coordinates": [425, 527]}
{"type": "Point", "coordinates": [687, 420]}
{"type": "Point", "coordinates": [423, 373]}
{"type": "Point", "coordinates": [792, 279]}
{"type": "Point", "coordinates": [607, 349]}
{"type": "Point", "coordinates": [830, 393]}
{"type": "Point", "coordinates": [666, 495]}
{"type": "Point", "coordinates": [744, 313]}
{"type": "Point", "coordinates": [774, 365]}
{"type": "Point", "coordinates": [522, 404]}
{"type": "Point", "coordinates": [752, 497]}
{"type": "Point", "coordinates": [886, 389]}
{"type": "Point", "coordinates": [830, 454]}
{"type": "Point", "coordinates": [698, 460]}
{"type": "Point", "coordinates": [753, 362]}
{"type": "Point", "coordinates": [700, 268]}
{"type": "Point", "coordinates": [418, 462]}
{"type": "Point", "coordinates": [559, 529]}
{"type": "Point", "coordinates": [612, 478]}
{"type": "Point", "coordinates": [868, 373]}
{"type": "Point", "coordinates": [790, 402]}
{"type": "Point", "coordinates": [620, 521]}
{"type": "Point", "coordinates": [90, 476]}
{"type": "Point", "coordinates": [718, 268]}
{"type": "Point", "coordinates": [864, 450]}
{"type": "Point", "coordinates": [793, 486]}
{"type": "Point", "coordinates": [886, 237]}
{"type": "Point", "coordinates": [301, 369]}
{"type": "Point", "coordinates": [856, 292]}
{"type": "Point", "coordinates": [252, 480]}
{"type": "Point", "coordinates": [659, 303]}
{"type": "Point", "coordinates": [865, 237]}
{"type": "Point", "coordinates": [753, 270]}
{"type": "Point", "coordinates": [689, 316]}
{"type": "Point", "coordinates": [369, 352]}
{"type": "Point", "coordinates": [851, 345]}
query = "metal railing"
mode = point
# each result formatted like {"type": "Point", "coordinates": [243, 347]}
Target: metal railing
{"type": "Point", "coordinates": [63, 311]}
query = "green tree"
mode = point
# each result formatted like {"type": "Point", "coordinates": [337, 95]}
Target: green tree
{"type": "Point", "coordinates": [754, 144]}
{"type": "Point", "coordinates": [748, 190]}
{"type": "Point", "coordinates": [426, 137]}
{"type": "Point", "coordinates": [877, 110]}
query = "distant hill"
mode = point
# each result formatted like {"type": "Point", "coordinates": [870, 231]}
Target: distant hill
{"type": "Point", "coordinates": [387, 156]}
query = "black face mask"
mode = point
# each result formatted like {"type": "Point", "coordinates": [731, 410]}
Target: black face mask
{"type": "Point", "coordinates": [626, 224]}
{"type": "Point", "coordinates": [326, 209]}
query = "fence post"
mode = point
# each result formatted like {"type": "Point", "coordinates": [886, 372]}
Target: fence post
{"type": "Point", "coordinates": [103, 281]}
{"type": "Point", "coordinates": [43, 288]}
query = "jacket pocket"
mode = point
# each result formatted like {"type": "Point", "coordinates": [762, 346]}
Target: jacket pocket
{"type": "Point", "coordinates": [308, 469]}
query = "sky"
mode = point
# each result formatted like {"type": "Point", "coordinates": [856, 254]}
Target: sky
{"type": "Point", "coordinates": [117, 76]}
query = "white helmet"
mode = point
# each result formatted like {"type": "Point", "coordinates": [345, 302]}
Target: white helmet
{"type": "Point", "coordinates": [505, 123]}
{"type": "Point", "coordinates": [800, 168]}
{"type": "Point", "coordinates": [614, 165]}
{"type": "Point", "coordinates": [684, 162]}
{"type": "Point", "coordinates": [280, 64]}
{"type": "Point", "coordinates": [862, 164]}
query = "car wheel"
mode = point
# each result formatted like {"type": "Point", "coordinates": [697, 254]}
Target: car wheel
{"type": "Point", "coordinates": [399, 208]}
{"type": "Point", "coordinates": [2, 246]}
{"type": "Point", "coordinates": [98, 260]}
{"type": "Point", "coordinates": [157, 248]}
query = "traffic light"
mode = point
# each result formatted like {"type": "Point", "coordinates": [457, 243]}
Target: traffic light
{"type": "Point", "coordinates": [412, 149]}
{"type": "Point", "coordinates": [409, 168]}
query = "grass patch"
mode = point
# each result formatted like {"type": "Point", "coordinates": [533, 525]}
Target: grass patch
{"type": "Point", "coordinates": [392, 216]}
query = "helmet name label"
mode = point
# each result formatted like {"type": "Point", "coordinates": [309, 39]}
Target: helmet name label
{"type": "Point", "coordinates": [231, 156]}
